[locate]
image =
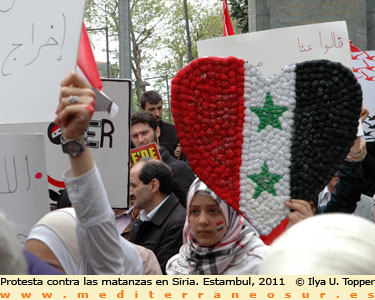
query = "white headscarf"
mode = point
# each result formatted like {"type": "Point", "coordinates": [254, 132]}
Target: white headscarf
{"type": "Point", "coordinates": [57, 230]}
{"type": "Point", "coordinates": [324, 244]}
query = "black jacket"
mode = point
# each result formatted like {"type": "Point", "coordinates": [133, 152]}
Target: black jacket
{"type": "Point", "coordinates": [183, 175]}
{"type": "Point", "coordinates": [368, 165]}
{"type": "Point", "coordinates": [163, 233]}
{"type": "Point", "coordinates": [347, 191]}
{"type": "Point", "coordinates": [168, 137]}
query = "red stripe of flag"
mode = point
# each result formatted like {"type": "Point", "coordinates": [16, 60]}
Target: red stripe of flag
{"type": "Point", "coordinates": [86, 61]}
{"type": "Point", "coordinates": [56, 183]}
{"type": "Point", "coordinates": [219, 225]}
{"type": "Point", "coordinates": [227, 23]}
{"type": "Point", "coordinates": [87, 67]}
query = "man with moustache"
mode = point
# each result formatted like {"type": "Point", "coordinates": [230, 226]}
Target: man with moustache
{"type": "Point", "coordinates": [161, 220]}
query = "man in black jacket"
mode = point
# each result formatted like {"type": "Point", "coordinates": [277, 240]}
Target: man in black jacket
{"type": "Point", "coordinates": [161, 220]}
{"type": "Point", "coordinates": [144, 131]}
{"type": "Point", "coordinates": [151, 101]}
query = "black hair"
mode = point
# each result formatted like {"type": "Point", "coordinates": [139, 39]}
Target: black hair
{"type": "Point", "coordinates": [152, 97]}
{"type": "Point", "coordinates": [155, 169]}
{"type": "Point", "coordinates": [143, 116]}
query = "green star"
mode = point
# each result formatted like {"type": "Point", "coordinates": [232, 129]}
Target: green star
{"type": "Point", "coordinates": [265, 181]}
{"type": "Point", "coordinates": [269, 114]}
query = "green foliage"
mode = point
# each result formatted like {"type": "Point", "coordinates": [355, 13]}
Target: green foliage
{"type": "Point", "coordinates": [205, 22]}
{"type": "Point", "coordinates": [100, 14]}
{"type": "Point", "coordinates": [158, 36]}
{"type": "Point", "coordinates": [239, 12]}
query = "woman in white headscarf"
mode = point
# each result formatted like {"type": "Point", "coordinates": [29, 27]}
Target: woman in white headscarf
{"type": "Point", "coordinates": [216, 238]}
{"type": "Point", "coordinates": [53, 238]}
{"type": "Point", "coordinates": [324, 245]}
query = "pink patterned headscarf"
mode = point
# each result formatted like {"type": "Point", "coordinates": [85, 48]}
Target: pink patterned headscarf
{"type": "Point", "coordinates": [214, 259]}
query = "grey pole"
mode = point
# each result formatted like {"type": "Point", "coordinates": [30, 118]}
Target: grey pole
{"type": "Point", "coordinates": [252, 15]}
{"type": "Point", "coordinates": [106, 42]}
{"type": "Point", "coordinates": [190, 55]}
{"type": "Point", "coordinates": [107, 47]}
{"type": "Point", "coordinates": [124, 43]}
{"type": "Point", "coordinates": [124, 38]}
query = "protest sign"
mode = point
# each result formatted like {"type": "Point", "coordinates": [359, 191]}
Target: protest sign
{"type": "Point", "coordinates": [364, 70]}
{"type": "Point", "coordinates": [108, 138]}
{"type": "Point", "coordinates": [271, 50]}
{"type": "Point", "coordinates": [150, 150]}
{"type": "Point", "coordinates": [23, 180]}
{"type": "Point", "coordinates": [112, 155]}
{"type": "Point", "coordinates": [39, 47]}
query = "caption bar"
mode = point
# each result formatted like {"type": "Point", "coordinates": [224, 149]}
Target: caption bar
{"type": "Point", "coordinates": [187, 287]}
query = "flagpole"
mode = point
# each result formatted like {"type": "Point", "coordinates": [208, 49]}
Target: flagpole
{"type": "Point", "coordinates": [190, 55]}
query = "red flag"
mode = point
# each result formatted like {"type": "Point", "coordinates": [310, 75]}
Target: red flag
{"type": "Point", "coordinates": [86, 61]}
{"type": "Point", "coordinates": [228, 28]}
{"type": "Point", "coordinates": [353, 48]}
{"type": "Point", "coordinates": [87, 66]}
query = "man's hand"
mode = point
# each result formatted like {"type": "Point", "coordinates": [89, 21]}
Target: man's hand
{"type": "Point", "coordinates": [364, 114]}
{"type": "Point", "coordinates": [74, 112]}
{"type": "Point", "coordinates": [358, 151]}
{"type": "Point", "coordinates": [301, 210]}
{"type": "Point", "coordinates": [76, 106]}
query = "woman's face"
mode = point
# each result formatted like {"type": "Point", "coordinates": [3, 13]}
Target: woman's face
{"type": "Point", "coordinates": [206, 220]}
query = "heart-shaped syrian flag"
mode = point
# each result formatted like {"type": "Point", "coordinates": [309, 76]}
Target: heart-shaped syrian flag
{"type": "Point", "coordinates": [258, 142]}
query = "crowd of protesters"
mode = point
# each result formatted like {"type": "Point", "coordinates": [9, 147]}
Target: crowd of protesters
{"type": "Point", "coordinates": [178, 225]}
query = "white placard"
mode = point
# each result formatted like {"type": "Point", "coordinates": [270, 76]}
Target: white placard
{"type": "Point", "coordinates": [108, 140]}
{"type": "Point", "coordinates": [114, 162]}
{"type": "Point", "coordinates": [39, 46]}
{"type": "Point", "coordinates": [271, 50]}
{"type": "Point", "coordinates": [23, 180]}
